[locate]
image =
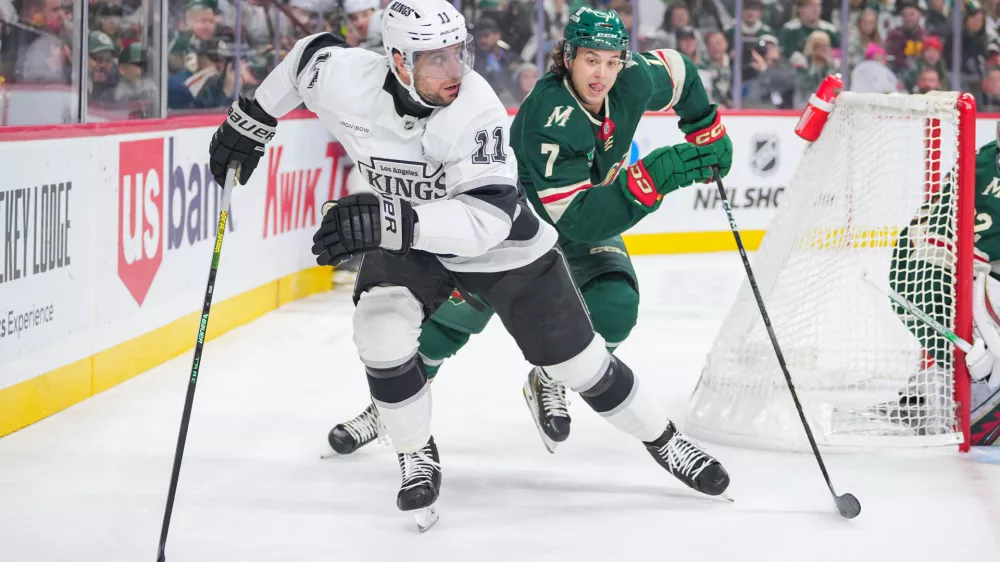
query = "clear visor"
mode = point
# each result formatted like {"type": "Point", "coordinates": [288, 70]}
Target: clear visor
{"type": "Point", "coordinates": [446, 63]}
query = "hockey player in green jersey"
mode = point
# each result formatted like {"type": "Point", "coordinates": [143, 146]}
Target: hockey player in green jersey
{"type": "Point", "coordinates": [922, 260]}
{"type": "Point", "coordinates": [572, 137]}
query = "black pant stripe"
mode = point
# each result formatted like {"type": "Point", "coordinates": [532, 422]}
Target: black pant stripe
{"type": "Point", "coordinates": [399, 384]}
{"type": "Point", "coordinates": [613, 388]}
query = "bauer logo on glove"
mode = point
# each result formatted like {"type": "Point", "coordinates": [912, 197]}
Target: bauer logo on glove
{"type": "Point", "coordinates": [249, 127]}
{"type": "Point", "coordinates": [241, 138]}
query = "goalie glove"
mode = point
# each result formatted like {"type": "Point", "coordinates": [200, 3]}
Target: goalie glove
{"type": "Point", "coordinates": [362, 223]}
{"type": "Point", "coordinates": [983, 365]}
{"type": "Point", "coordinates": [667, 169]}
{"type": "Point", "coordinates": [982, 361]}
{"type": "Point", "coordinates": [241, 138]}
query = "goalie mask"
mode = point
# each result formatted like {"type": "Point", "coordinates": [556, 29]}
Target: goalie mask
{"type": "Point", "coordinates": [432, 39]}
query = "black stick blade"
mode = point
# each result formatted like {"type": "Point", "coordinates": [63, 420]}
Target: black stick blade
{"type": "Point", "coordinates": [848, 506]}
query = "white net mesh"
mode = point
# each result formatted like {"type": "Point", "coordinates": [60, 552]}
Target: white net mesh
{"type": "Point", "coordinates": [866, 375]}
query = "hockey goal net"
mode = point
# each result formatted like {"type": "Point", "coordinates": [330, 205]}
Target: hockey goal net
{"type": "Point", "coordinates": [887, 192]}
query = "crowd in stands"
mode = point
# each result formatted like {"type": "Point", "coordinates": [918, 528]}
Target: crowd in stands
{"type": "Point", "coordinates": [788, 46]}
{"type": "Point", "coordinates": [217, 48]}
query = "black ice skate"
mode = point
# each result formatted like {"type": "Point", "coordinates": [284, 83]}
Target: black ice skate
{"type": "Point", "coordinates": [347, 437]}
{"type": "Point", "coordinates": [421, 484]}
{"type": "Point", "coordinates": [688, 463]}
{"type": "Point", "coordinates": [546, 399]}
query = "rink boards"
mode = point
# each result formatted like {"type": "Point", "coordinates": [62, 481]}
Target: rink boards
{"type": "Point", "coordinates": [108, 232]}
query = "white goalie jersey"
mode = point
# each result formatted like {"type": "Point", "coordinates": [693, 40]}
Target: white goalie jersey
{"type": "Point", "coordinates": [454, 166]}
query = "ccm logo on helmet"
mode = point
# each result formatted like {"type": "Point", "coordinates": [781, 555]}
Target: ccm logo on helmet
{"type": "Point", "coordinates": [249, 126]}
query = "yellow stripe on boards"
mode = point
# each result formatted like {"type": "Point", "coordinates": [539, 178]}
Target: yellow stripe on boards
{"type": "Point", "coordinates": [31, 400]}
{"type": "Point", "coordinates": [304, 283]}
{"type": "Point", "coordinates": [118, 364]}
{"type": "Point", "coordinates": [822, 238]}
{"type": "Point", "coordinates": [37, 398]}
{"type": "Point", "coordinates": [840, 238]}
{"type": "Point", "coordinates": [690, 242]}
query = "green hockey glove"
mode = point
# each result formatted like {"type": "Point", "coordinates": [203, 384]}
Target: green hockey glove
{"type": "Point", "coordinates": [667, 169]}
{"type": "Point", "coordinates": [709, 131]}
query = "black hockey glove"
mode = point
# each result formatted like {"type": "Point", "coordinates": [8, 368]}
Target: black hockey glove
{"type": "Point", "coordinates": [241, 138]}
{"type": "Point", "coordinates": [361, 223]}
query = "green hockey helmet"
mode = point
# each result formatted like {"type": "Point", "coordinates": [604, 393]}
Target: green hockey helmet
{"type": "Point", "coordinates": [603, 30]}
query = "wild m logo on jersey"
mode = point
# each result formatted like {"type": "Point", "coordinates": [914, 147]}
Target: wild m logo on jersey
{"type": "Point", "coordinates": [993, 188]}
{"type": "Point", "coordinates": [560, 116]}
{"type": "Point", "coordinates": [401, 178]}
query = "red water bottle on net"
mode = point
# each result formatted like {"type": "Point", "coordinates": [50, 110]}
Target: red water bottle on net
{"type": "Point", "coordinates": [818, 110]}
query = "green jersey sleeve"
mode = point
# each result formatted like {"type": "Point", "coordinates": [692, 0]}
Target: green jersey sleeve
{"type": "Point", "coordinates": [554, 166]}
{"type": "Point", "coordinates": [928, 231]}
{"type": "Point", "coordinates": [674, 84]}
{"type": "Point", "coordinates": [921, 266]}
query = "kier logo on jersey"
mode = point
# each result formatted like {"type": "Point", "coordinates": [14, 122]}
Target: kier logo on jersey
{"type": "Point", "coordinates": [408, 180]}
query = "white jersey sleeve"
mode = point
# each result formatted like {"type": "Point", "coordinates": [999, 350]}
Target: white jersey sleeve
{"type": "Point", "coordinates": [299, 77]}
{"type": "Point", "coordinates": [481, 173]}
{"type": "Point", "coordinates": [468, 139]}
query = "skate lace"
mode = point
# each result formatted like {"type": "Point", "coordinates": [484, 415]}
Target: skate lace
{"type": "Point", "coordinates": [365, 426]}
{"type": "Point", "coordinates": [684, 457]}
{"type": "Point", "coordinates": [552, 396]}
{"type": "Point", "coordinates": [417, 468]}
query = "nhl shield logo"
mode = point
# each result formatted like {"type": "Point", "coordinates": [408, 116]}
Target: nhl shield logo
{"type": "Point", "coordinates": [764, 157]}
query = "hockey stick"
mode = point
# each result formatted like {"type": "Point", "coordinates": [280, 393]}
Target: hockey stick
{"type": "Point", "coordinates": [914, 310]}
{"type": "Point", "coordinates": [232, 175]}
{"type": "Point", "coordinates": [847, 504]}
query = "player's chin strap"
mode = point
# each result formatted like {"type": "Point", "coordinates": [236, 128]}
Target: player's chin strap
{"type": "Point", "coordinates": [413, 96]}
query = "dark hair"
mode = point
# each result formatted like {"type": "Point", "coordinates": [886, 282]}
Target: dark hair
{"type": "Point", "coordinates": [557, 65]}
{"type": "Point", "coordinates": [668, 15]}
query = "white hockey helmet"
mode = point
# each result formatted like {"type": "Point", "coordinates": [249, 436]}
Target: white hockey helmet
{"type": "Point", "coordinates": [413, 28]}
{"type": "Point", "coordinates": [355, 6]}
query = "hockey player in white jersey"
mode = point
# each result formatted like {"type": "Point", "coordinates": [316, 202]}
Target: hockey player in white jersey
{"type": "Point", "coordinates": [430, 137]}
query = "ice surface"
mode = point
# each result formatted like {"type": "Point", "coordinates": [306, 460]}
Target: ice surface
{"type": "Point", "coordinates": [89, 484]}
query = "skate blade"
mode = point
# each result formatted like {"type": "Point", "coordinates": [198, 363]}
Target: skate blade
{"type": "Point", "coordinates": [546, 440]}
{"type": "Point", "coordinates": [426, 518]}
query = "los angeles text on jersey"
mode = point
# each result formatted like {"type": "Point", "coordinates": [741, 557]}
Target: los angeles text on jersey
{"type": "Point", "coordinates": [405, 179]}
